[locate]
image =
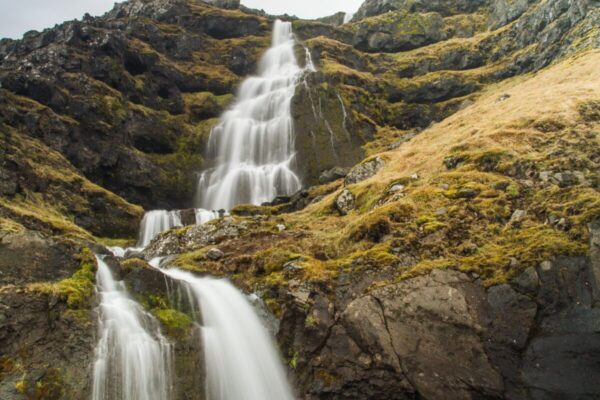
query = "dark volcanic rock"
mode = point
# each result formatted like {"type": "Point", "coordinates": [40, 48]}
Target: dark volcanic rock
{"type": "Point", "coordinates": [444, 336]}
{"type": "Point", "coordinates": [30, 257]}
{"type": "Point", "coordinates": [446, 7]}
{"type": "Point", "coordinates": [327, 134]}
{"type": "Point", "coordinates": [44, 346]}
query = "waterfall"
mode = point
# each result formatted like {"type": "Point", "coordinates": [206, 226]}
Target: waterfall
{"type": "Point", "coordinates": [133, 360]}
{"type": "Point", "coordinates": [156, 222]}
{"type": "Point", "coordinates": [203, 216]}
{"type": "Point", "coordinates": [252, 148]}
{"type": "Point", "coordinates": [253, 145]}
{"type": "Point", "coordinates": [241, 361]}
{"type": "Point", "coordinates": [348, 17]}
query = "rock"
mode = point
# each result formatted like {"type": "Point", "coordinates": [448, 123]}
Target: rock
{"type": "Point", "coordinates": [467, 193]}
{"type": "Point", "coordinates": [328, 135]}
{"type": "Point", "coordinates": [377, 7]}
{"type": "Point", "coordinates": [333, 175]}
{"type": "Point", "coordinates": [215, 254]}
{"type": "Point", "coordinates": [188, 217]}
{"type": "Point", "coordinates": [528, 281]}
{"type": "Point", "coordinates": [581, 179]}
{"type": "Point", "coordinates": [414, 177]}
{"type": "Point", "coordinates": [564, 179]}
{"type": "Point", "coordinates": [281, 227]}
{"type": "Point", "coordinates": [441, 211]}
{"type": "Point", "coordinates": [444, 186]}
{"type": "Point", "coordinates": [227, 4]}
{"type": "Point", "coordinates": [364, 170]}
{"type": "Point", "coordinates": [291, 268]}
{"type": "Point", "coordinates": [398, 31]}
{"type": "Point", "coordinates": [545, 176]}
{"type": "Point", "coordinates": [505, 11]}
{"type": "Point", "coordinates": [345, 202]}
{"type": "Point", "coordinates": [517, 216]}
{"type": "Point", "coordinates": [29, 257]}
{"type": "Point", "coordinates": [453, 162]}
{"type": "Point", "coordinates": [397, 188]}
{"type": "Point", "coordinates": [195, 237]}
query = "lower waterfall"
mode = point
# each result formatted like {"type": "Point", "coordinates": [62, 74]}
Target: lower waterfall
{"type": "Point", "coordinates": [133, 359]}
{"type": "Point", "coordinates": [241, 361]}
{"type": "Point", "coordinates": [156, 222]}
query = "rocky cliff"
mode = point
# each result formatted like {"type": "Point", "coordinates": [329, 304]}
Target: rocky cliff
{"type": "Point", "coordinates": [446, 245]}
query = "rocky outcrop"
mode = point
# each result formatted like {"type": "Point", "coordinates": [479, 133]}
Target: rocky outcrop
{"type": "Point", "coordinates": [29, 257]}
{"type": "Point", "coordinates": [445, 336]}
{"type": "Point", "coordinates": [445, 7]}
{"type": "Point", "coordinates": [328, 134]}
{"type": "Point", "coordinates": [195, 237]}
{"type": "Point", "coordinates": [398, 31]}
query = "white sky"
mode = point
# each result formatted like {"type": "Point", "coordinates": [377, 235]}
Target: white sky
{"type": "Point", "coordinates": [20, 16]}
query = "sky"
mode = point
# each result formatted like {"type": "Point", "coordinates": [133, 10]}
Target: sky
{"type": "Point", "coordinates": [20, 16]}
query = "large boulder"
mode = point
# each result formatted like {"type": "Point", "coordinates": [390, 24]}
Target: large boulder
{"type": "Point", "coordinates": [28, 257]}
{"type": "Point", "coordinates": [443, 335]}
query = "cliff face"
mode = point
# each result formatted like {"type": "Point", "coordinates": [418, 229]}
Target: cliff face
{"type": "Point", "coordinates": [445, 247]}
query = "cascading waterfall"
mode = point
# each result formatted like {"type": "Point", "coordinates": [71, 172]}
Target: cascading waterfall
{"type": "Point", "coordinates": [133, 359]}
{"type": "Point", "coordinates": [253, 152]}
{"type": "Point", "coordinates": [241, 362]}
{"type": "Point", "coordinates": [253, 145]}
{"type": "Point", "coordinates": [348, 17]}
{"type": "Point", "coordinates": [156, 222]}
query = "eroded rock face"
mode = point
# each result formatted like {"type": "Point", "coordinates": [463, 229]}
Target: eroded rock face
{"type": "Point", "coordinates": [444, 336]}
{"type": "Point", "coordinates": [29, 257]}
{"type": "Point", "coordinates": [327, 133]}
{"type": "Point", "coordinates": [194, 237]}
{"type": "Point", "coordinates": [376, 7]}
{"type": "Point", "coordinates": [42, 341]}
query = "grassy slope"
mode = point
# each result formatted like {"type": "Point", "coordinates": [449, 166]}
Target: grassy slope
{"type": "Point", "coordinates": [546, 121]}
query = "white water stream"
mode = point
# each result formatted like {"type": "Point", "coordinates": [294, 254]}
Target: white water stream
{"type": "Point", "coordinates": [241, 361]}
{"type": "Point", "coordinates": [133, 359]}
{"type": "Point", "coordinates": [253, 145]}
{"type": "Point", "coordinates": [253, 152]}
{"type": "Point", "coordinates": [156, 222]}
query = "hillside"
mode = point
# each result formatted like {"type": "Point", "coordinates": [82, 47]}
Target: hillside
{"type": "Point", "coordinates": [446, 244]}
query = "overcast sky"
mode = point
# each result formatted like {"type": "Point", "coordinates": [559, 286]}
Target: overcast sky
{"type": "Point", "coordinates": [20, 16]}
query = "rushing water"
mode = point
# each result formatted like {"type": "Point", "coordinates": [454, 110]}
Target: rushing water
{"type": "Point", "coordinates": [241, 361]}
{"type": "Point", "coordinates": [253, 145]}
{"type": "Point", "coordinates": [348, 17]}
{"type": "Point", "coordinates": [156, 222]}
{"type": "Point", "coordinates": [133, 359]}
{"type": "Point", "coordinates": [253, 153]}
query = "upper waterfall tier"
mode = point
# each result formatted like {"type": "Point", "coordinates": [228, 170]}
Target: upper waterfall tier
{"type": "Point", "coordinates": [252, 147]}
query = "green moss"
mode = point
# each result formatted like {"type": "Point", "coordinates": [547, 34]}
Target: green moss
{"type": "Point", "coordinates": [78, 290]}
{"type": "Point", "coordinates": [273, 259]}
{"type": "Point", "coordinates": [175, 322]}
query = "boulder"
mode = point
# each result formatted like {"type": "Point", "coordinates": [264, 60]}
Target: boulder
{"type": "Point", "coordinates": [364, 170]}
{"type": "Point", "coordinates": [333, 175]}
{"type": "Point", "coordinates": [29, 257]}
{"type": "Point", "coordinates": [345, 202]}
